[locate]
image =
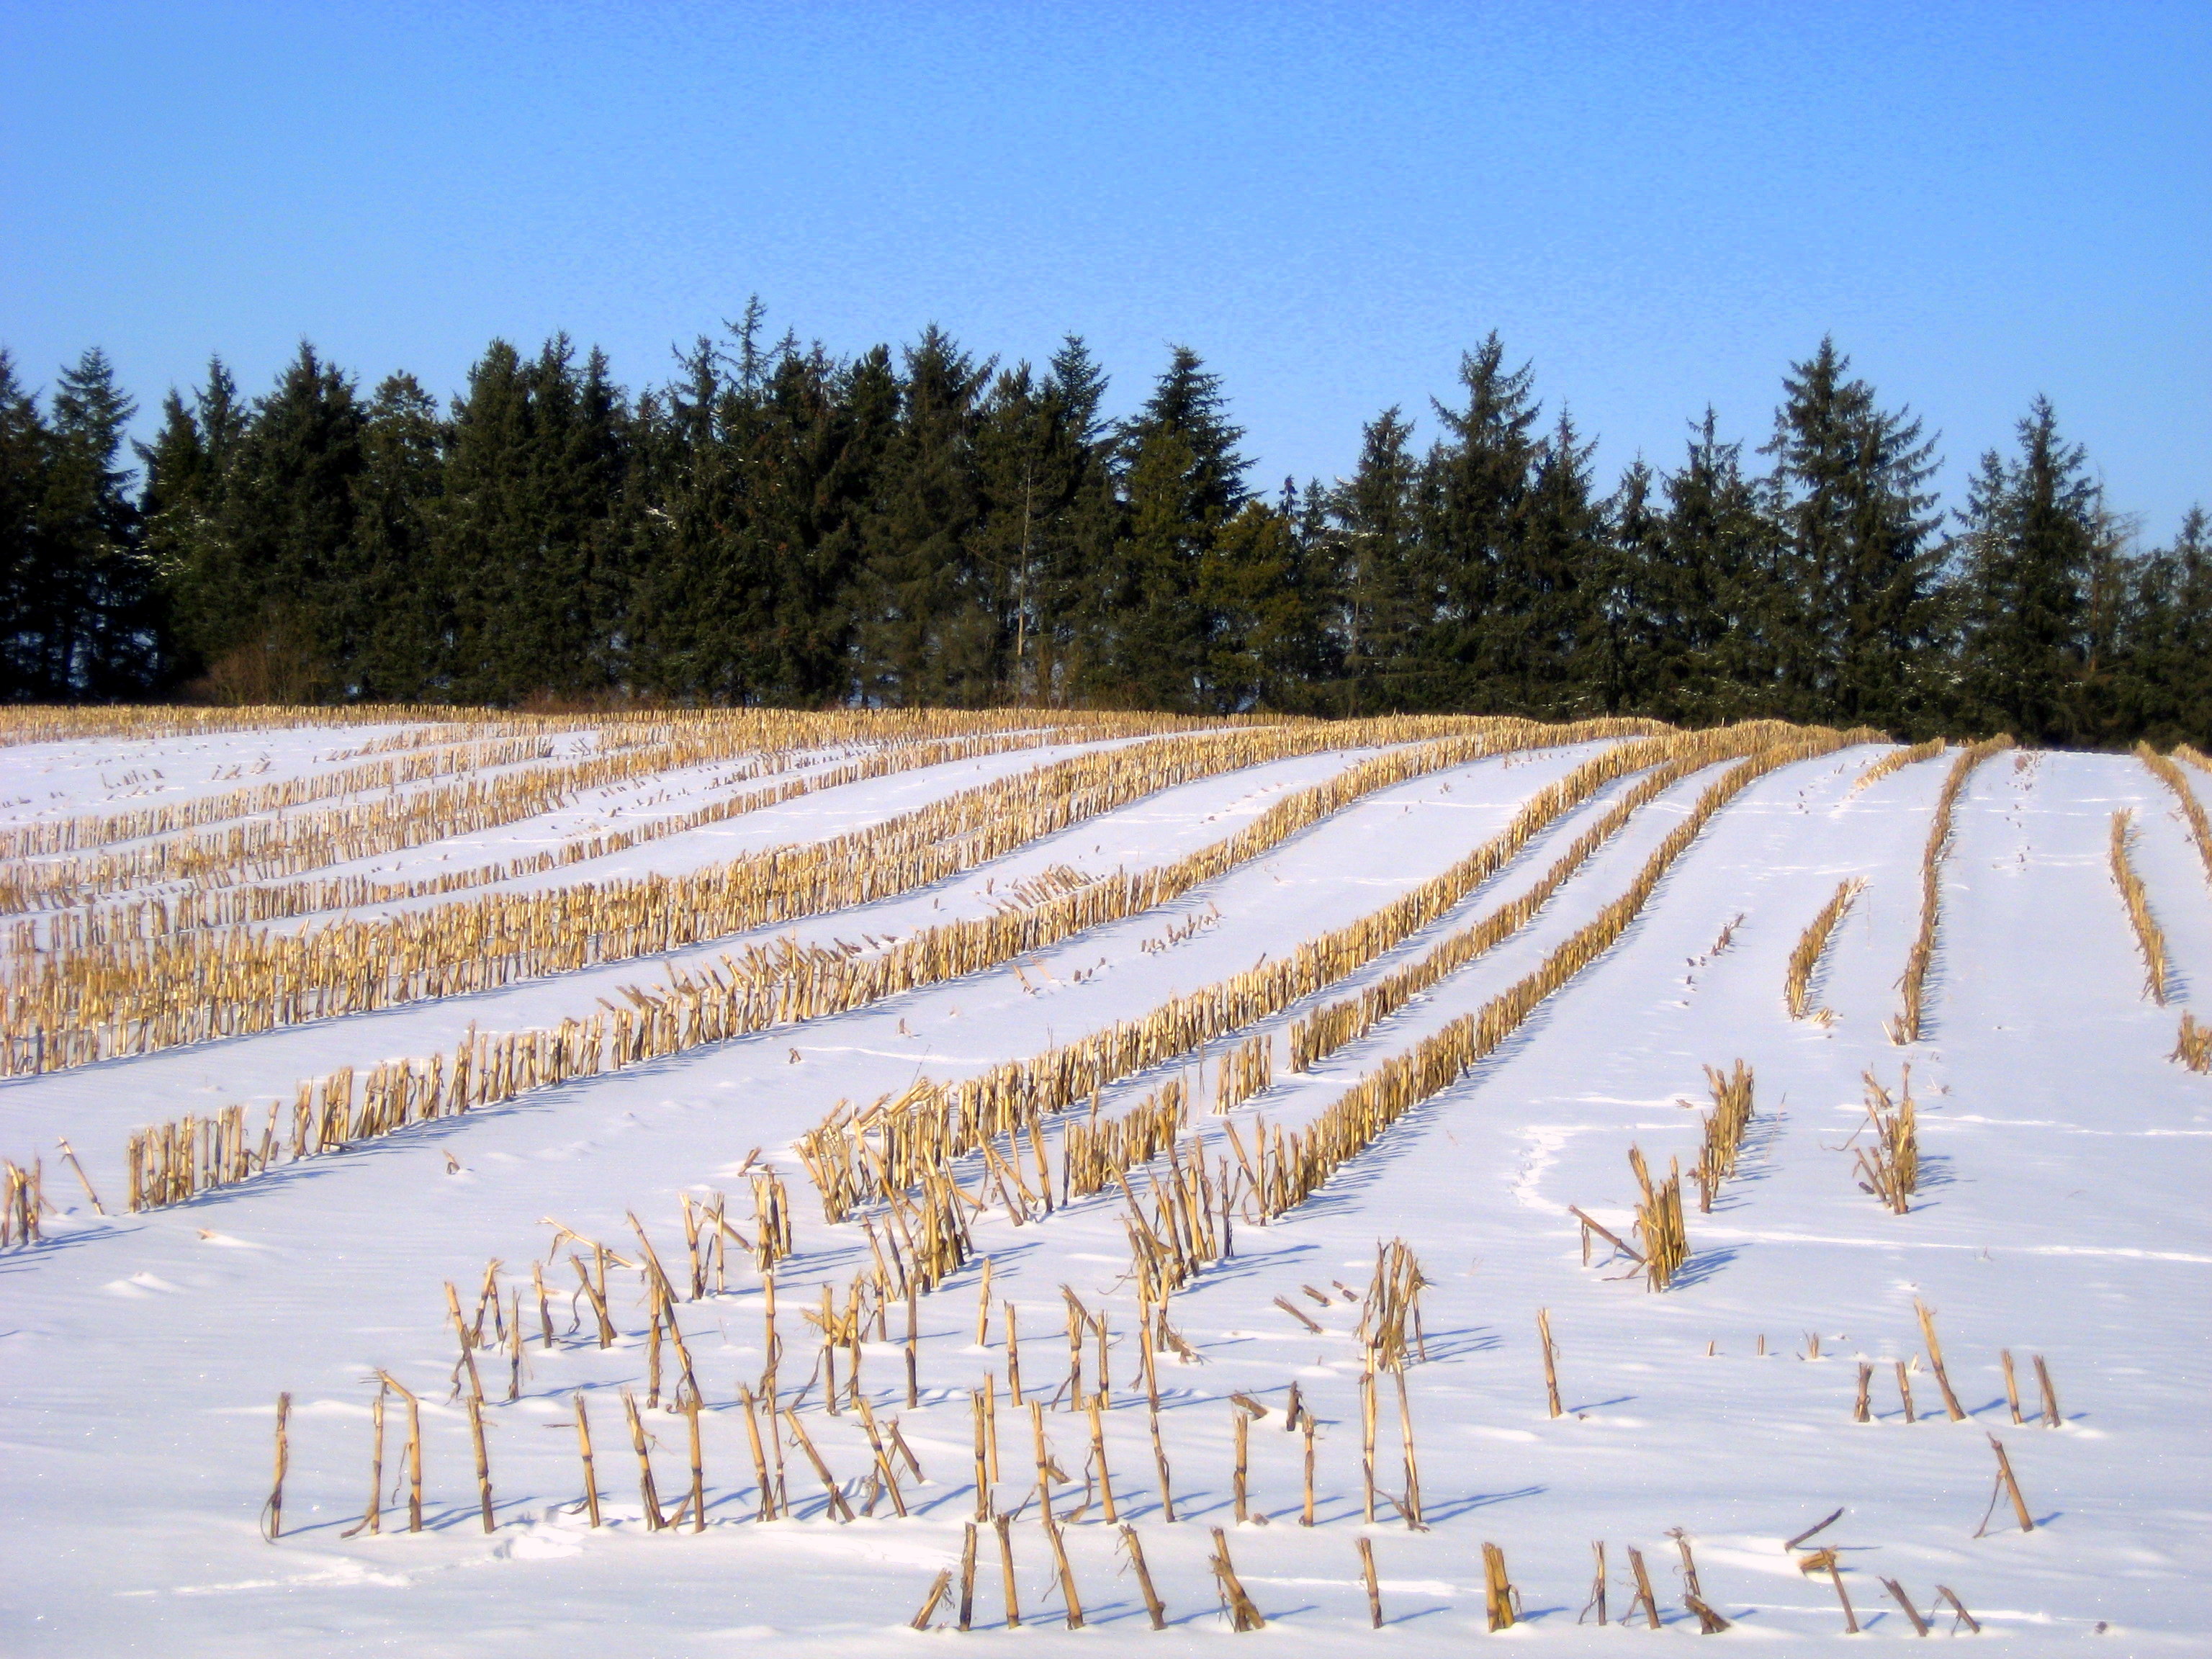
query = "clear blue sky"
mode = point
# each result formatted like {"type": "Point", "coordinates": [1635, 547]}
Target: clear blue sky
{"type": "Point", "coordinates": [1660, 205]}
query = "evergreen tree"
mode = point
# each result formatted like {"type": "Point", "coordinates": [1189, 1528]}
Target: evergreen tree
{"type": "Point", "coordinates": [930, 633]}
{"type": "Point", "coordinates": [2032, 547]}
{"type": "Point", "coordinates": [1476, 496]}
{"type": "Point", "coordinates": [398, 619]}
{"type": "Point", "coordinates": [254, 517]}
{"type": "Point", "coordinates": [100, 633]}
{"type": "Point", "coordinates": [760, 469]}
{"type": "Point", "coordinates": [26, 603]}
{"type": "Point", "coordinates": [1265, 636]}
{"type": "Point", "coordinates": [836, 425]}
{"type": "Point", "coordinates": [1630, 660]}
{"type": "Point", "coordinates": [187, 469]}
{"type": "Point", "coordinates": [2165, 678]}
{"type": "Point", "coordinates": [1720, 601]}
{"type": "Point", "coordinates": [702, 601]}
{"type": "Point", "coordinates": [1037, 457]}
{"type": "Point", "coordinates": [1374, 534]}
{"type": "Point", "coordinates": [528, 524]}
{"type": "Point", "coordinates": [76, 616]}
{"type": "Point", "coordinates": [1546, 611]}
{"type": "Point", "coordinates": [1848, 489]}
{"type": "Point", "coordinates": [1181, 481]}
{"type": "Point", "coordinates": [1071, 529]}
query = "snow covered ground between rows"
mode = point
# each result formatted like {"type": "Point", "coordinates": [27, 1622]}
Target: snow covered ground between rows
{"type": "Point", "coordinates": [2063, 1214]}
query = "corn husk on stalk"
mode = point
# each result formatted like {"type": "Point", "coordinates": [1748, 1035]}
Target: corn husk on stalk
{"type": "Point", "coordinates": [1889, 1167]}
{"type": "Point", "coordinates": [1095, 1154]}
{"type": "Point", "coordinates": [1724, 1130]}
{"type": "Point", "coordinates": [22, 1204]}
{"type": "Point", "coordinates": [1236, 1603]}
{"type": "Point", "coordinates": [1390, 1331]}
{"type": "Point", "coordinates": [2150, 938]}
{"type": "Point", "coordinates": [1812, 944]}
{"type": "Point", "coordinates": [1659, 1227]}
{"type": "Point", "coordinates": [1906, 1027]}
{"type": "Point", "coordinates": [1246, 1070]}
{"type": "Point", "coordinates": [2192, 1046]}
{"type": "Point", "coordinates": [1501, 1603]}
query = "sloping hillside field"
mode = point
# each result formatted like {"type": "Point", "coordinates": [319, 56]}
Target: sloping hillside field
{"type": "Point", "coordinates": [736, 1183]}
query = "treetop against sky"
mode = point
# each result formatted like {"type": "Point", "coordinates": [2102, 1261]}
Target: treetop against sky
{"type": "Point", "coordinates": [1659, 206]}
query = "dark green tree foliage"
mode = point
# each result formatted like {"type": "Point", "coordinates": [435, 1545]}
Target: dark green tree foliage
{"type": "Point", "coordinates": [23, 605]}
{"type": "Point", "coordinates": [187, 469]}
{"type": "Point", "coordinates": [1719, 599]}
{"type": "Point", "coordinates": [1381, 605]}
{"type": "Point", "coordinates": [2032, 547]}
{"type": "Point", "coordinates": [1255, 588]}
{"type": "Point", "coordinates": [1045, 521]}
{"type": "Point", "coordinates": [704, 599]}
{"type": "Point", "coordinates": [1632, 650]}
{"type": "Point", "coordinates": [258, 516]}
{"type": "Point", "coordinates": [75, 616]}
{"type": "Point", "coordinates": [1489, 606]}
{"type": "Point", "coordinates": [2164, 669]}
{"type": "Point", "coordinates": [527, 530]}
{"type": "Point", "coordinates": [1859, 540]}
{"type": "Point", "coordinates": [931, 615]}
{"type": "Point", "coordinates": [396, 644]}
{"type": "Point", "coordinates": [1181, 481]}
{"type": "Point", "coordinates": [103, 626]}
{"type": "Point", "coordinates": [1546, 625]}
{"type": "Point", "coordinates": [775, 525]}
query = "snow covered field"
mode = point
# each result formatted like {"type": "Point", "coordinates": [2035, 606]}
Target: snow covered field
{"type": "Point", "coordinates": [2060, 1213]}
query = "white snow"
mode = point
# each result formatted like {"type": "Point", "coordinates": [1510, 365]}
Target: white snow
{"type": "Point", "coordinates": [2062, 1213]}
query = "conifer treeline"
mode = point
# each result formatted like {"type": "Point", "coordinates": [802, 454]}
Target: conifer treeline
{"type": "Point", "coordinates": [778, 525]}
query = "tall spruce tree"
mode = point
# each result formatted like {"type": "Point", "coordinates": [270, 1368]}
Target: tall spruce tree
{"type": "Point", "coordinates": [2032, 546]}
{"type": "Point", "coordinates": [1181, 481]}
{"type": "Point", "coordinates": [1264, 638]}
{"type": "Point", "coordinates": [837, 425]}
{"type": "Point", "coordinates": [1849, 489]}
{"type": "Point", "coordinates": [1629, 662]}
{"type": "Point", "coordinates": [1073, 548]}
{"type": "Point", "coordinates": [25, 604]}
{"type": "Point", "coordinates": [528, 524]}
{"type": "Point", "coordinates": [398, 617]}
{"type": "Point", "coordinates": [1726, 602]}
{"type": "Point", "coordinates": [76, 619]}
{"type": "Point", "coordinates": [102, 632]}
{"type": "Point", "coordinates": [1475, 496]}
{"type": "Point", "coordinates": [1546, 614]}
{"type": "Point", "coordinates": [182, 511]}
{"type": "Point", "coordinates": [257, 560]}
{"type": "Point", "coordinates": [1042, 478]}
{"type": "Point", "coordinates": [931, 617]}
{"type": "Point", "coordinates": [702, 596]}
{"type": "Point", "coordinates": [1374, 534]}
